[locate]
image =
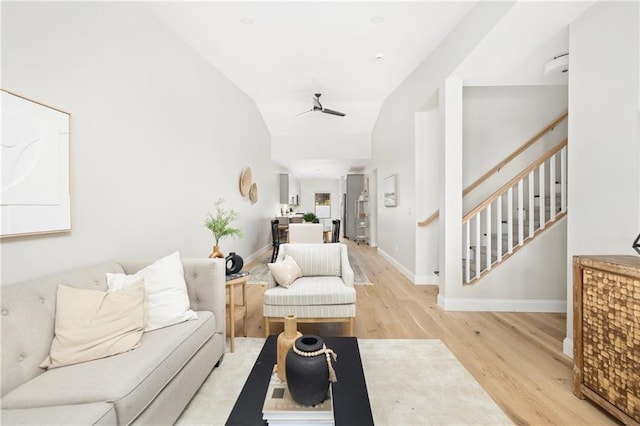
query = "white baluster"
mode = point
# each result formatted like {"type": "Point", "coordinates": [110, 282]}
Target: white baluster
{"type": "Point", "coordinates": [541, 176]}
{"type": "Point", "coordinates": [467, 266]}
{"type": "Point", "coordinates": [532, 204]}
{"type": "Point", "coordinates": [563, 179]}
{"type": "Point", "coordinates": [478, 245]}
{"type": "Point", "coordinates": [520, 213]}
{"type": "Point", "coordinates": [488, 232]}
{"type": "Point", "coordinates": [499, 227]}
{"type": "Point", "coordinates": [552, 187]}
{"type": "Point", "coordinates": [510, 220]}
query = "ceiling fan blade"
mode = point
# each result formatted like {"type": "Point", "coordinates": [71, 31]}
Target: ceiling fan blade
{"type": "Point", "coordinates": [303, 113]}
{"type": "Point", "coordinates": [330, 111]}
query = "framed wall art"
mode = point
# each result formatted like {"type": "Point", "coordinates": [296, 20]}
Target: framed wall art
{"type": "Point", "coordinates": [34, 154]}
{"type": "Point", "coordinates": [389, 187]}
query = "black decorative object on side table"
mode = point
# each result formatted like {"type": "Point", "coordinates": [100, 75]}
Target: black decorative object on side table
{"type": "Point", "coordinates": [636, 244]}
{"type": "Point", "coordinates": [236, 263]}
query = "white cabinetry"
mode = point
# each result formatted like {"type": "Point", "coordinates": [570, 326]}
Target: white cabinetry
{"type": "Point", "coordinates": [289, 190]}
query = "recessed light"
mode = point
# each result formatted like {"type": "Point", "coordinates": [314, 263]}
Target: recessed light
{"type": "Point", "coordinates": [379, 56]}
{"type": "Point", "coordinates": [246, 21]}
{"type": "Point", "coordinates": [377, 19]}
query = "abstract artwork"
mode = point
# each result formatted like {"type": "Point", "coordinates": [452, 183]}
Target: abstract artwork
{"type": "Point", "coordinates": [34, 153]}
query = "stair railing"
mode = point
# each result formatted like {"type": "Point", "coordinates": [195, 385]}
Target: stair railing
{"type": "Point", "coordinates": [509, 218]}
{"type": "Point", "coordinates": [495, 169]}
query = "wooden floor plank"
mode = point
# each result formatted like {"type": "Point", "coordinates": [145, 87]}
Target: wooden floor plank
{"type": "Point", "coordinates": [516, 357]}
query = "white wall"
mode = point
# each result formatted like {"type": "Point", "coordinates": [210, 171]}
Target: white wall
{"type": "Point", "coordinates": [497, 121]}
{"type": "Point", "coordinates": [308, 189]}
{"type": "Point", "coordinates": [530, 281]}
{"type": "Point", "coordinates": [393, 144]}
{"type": "Point", "coordinates": [157, 137]}
{"type": "Point", "coordinates": [604, 135]}
{"type": "Point", "coordinates": [427, 164]}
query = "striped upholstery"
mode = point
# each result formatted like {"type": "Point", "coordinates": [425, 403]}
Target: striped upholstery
{"type": "Point", "coordinates": [312, 291]}
{"type": "Point", "coordinates": [316, 259]}
{"type": "Point", "coordinates": [321, 311]}
{"type": "Point", "coordinates": [325, 291]}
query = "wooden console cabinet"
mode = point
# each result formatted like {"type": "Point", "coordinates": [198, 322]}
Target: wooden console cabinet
{"type": "Point", "coordinates": [606, 333]}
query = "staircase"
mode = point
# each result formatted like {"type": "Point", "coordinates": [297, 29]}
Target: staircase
{"type": "Point", "coordinates": [516, 213]}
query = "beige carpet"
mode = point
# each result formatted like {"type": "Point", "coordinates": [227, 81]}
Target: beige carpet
{"type": "Point", "coordinates": [410, 382]}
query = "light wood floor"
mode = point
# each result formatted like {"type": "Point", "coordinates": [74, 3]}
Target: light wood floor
{"type": "Point", "coordinates": [516, 357]}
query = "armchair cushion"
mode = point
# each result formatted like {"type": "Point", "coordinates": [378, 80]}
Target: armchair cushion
{"type": "Point", "coordinates": [311, 291]}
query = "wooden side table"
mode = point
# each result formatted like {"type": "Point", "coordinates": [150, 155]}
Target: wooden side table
{"type": "Point", "coordinates": [236, 310]}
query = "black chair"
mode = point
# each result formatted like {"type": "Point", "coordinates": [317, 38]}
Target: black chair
{"type": "Point", "coordinates": [275, 237]}
{"type": "Point", "coordinates": [335, 233]}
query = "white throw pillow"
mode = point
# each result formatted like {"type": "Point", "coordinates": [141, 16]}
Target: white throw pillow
{"type": "Point", "coordinates": [285, 272]}
{"type": "Point", "coordinates": [167, 297]}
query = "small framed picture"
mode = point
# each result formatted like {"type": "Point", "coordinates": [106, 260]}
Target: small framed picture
{"type": "Point", "coordinates": [390, 195]}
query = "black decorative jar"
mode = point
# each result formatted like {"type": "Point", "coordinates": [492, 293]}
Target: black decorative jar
{"type": "Point", "coordinates": [309, 370]}
{"type": "Point", "coordinates": [234, 263]}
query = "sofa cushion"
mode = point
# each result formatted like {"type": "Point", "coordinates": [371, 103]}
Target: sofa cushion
{"type": "Point", "coordinates": [285, 272]}
{"type": "Point", "coordinates": [28, 311]}
{"type": "Point", "coordinates": [130, 381]}
{"type": "Point", "coordinates": [167, 297]}
{"type": "Point", "coordinates": [311, 291]}
{"type": "Point", "coordinates": [99, 413]}
{"type": "Point", "coordinates": [93, 324]}
{"type": "Point", "coordinates": [316, 259]}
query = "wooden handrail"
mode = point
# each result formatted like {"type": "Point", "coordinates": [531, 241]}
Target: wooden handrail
{"type": "Point", "coordinates": [495, 169]}
{"type": "Point", "coordinates": [430, 219]}
{"type": "Point", "coordinates": [515, 180]}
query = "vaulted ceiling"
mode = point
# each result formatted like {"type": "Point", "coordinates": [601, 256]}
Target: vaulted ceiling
{"type": "Point", "coordinates": [355, 53]}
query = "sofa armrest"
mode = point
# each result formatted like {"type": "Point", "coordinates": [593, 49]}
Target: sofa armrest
{"type": "Point", "coordinates": [206, 285]}
{"type": "Point", "coordinates": [205, 280]}
{"type": "Point", "coordinates": [347, 272]}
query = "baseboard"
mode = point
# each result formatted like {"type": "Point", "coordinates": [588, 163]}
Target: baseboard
{"type": "Point", "coordinates": [404, 271]}
{"type": "Point", "coordinates": [567, 347]}
{"type": "Point", "coordinates": [502, 305]}
{"type": "Point", "coordinates": [426, 280]}
{"type": "Point", "coordinates": [256, 255]}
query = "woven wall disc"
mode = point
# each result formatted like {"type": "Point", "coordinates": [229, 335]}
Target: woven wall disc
{"type": "Point", "coordinates": [253, 193]}
{"type": "Point", "coordinates": [245, 181]}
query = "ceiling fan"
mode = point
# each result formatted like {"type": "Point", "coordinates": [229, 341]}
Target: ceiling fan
{"type": "Point", "coordinates": [317, 106]}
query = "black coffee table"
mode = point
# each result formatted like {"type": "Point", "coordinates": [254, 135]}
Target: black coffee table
{"type": "Point", "coordinates": [350, 398]}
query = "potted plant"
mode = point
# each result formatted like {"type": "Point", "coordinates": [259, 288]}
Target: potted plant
{"type": "Point", "coordinates": [219, 226]}
{"type": "Point", "coordinates": [309, 217]}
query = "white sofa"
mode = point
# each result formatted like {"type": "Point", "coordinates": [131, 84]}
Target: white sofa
{"type": "Point", "coordinates": [148, 385]}
{"type": "Point", "coordinates": [324, 293]}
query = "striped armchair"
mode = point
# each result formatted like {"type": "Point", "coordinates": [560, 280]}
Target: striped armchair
{"type": "Point", "coordinates": [324, 293]}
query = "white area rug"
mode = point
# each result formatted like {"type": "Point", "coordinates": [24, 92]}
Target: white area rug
{"type": "Point", "coordinates": [410, 382]}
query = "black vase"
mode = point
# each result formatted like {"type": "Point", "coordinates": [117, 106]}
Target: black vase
{"type": "Point", "coordinates": [236, 263]}
{"type": "Point", "coordinates": [308, 376]}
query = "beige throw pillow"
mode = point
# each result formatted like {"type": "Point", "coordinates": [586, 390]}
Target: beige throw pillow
{"type": "Point", "coordinates": [92, 324]}
{"type": "Point", "coordinates": [285, 272]}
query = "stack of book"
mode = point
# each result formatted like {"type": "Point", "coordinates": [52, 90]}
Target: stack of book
{"type": "Point", "coordinates": [280, 409]}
